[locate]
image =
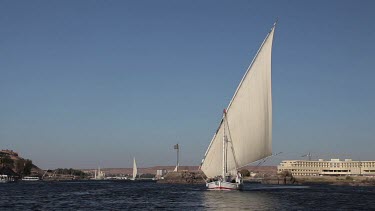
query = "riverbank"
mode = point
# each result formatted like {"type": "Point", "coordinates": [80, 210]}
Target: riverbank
{"type": "Point", "coordinates": [323, 180]}
{"type": "Point", "coordinates": [342, 180]}
{"type": "Point", "coordinates": [183, 177]}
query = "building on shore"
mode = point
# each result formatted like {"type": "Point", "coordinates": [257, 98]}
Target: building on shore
{"type": "Point", "coordinates": [333, 167]}
{"type": "Point", "coordinates": [98, 174]}
{"type": "Point", "coordinates": [160, 173]}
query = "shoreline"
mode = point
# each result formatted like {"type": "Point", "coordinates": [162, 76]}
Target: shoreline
{"type": "Point", "coordinates": [318, 180]}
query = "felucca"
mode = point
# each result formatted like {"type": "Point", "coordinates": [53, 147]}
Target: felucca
{"type": "Point", "coordinates": [245, 131]}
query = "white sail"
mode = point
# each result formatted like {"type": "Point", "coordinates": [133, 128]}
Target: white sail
{"type": "Point", "coordinates": [135, 170]}
{"type": "Point", "coordinates": [248, 119]}
{"type": "Point", "coordinates": [176, 168]}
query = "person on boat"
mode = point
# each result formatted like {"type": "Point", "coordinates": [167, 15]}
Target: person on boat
{"type": "Point", "coordinates": [211, 179]}
{"type": "Point", "coordinates": [216, 178]}
{"type": "Point", "coordinates": [238, 177]}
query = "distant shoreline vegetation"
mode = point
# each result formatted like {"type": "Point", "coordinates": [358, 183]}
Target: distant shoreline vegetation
{"type": "Point", "coordinates": [67, 171]}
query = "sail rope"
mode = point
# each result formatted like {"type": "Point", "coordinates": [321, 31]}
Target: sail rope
{"type": "Point", "coordinates": [231, 146]}
{"type": "Point", "coordinates": [265, 159]}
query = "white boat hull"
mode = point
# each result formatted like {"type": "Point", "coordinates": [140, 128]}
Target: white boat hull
{"type": "Point", "coordinates": [30, 179]}
{"type": "Point", "coordinates": [219, 185]}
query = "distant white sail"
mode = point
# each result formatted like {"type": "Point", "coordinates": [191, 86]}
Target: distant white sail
{"type": "Point", "coordinates": [249, 118]}
{"type": "Point", "coordinates": [176, 168]}
{"type": "Point", "coordinates": [135, 170]}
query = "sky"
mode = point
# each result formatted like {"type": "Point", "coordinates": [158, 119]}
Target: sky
{"type": "Point", "coordinates": [88, 83]}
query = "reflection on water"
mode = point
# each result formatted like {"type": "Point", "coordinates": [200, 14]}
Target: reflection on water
{"type": "Point", "coordinates": [318, 197]}
{"type": "Point", "coordinates": [229, 200]}
{"type": "Point", "coordinates": [253, 197]}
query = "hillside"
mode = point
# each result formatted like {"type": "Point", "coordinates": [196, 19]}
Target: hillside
{"type": "Point", "coordinates": [21, 166]}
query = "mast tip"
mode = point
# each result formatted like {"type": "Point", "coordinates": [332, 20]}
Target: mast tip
{"type": "Point", "coordinates": [277, 19]}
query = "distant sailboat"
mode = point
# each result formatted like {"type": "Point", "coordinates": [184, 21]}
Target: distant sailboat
{"type": "Point", "coordinates": [245, 131]}
{"type": "Point", "coordinates": [177, 148]}
{"type": "Point", "coordinates": [135, 170]}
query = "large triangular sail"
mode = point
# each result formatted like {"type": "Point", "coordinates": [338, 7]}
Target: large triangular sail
{"type": "Point", "coordinates": [248, 120]}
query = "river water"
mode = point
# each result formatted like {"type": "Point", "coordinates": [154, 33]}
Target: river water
{"type": "Point", "coordinates": [127, 195]}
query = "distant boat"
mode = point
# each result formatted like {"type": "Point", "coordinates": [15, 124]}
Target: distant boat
{"type": "Point", "coordinates": [7, 175]}
{"type": "Point", "coordinates": [245, 131]}
{"type": "Point", "coordinates": [30, 179]}
{"type": "Point", "coordinates": [135, 170]}
{"type": "Point", "coordinates": [4, 178]}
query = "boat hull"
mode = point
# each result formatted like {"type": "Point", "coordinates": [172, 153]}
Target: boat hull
{"type": "Point", "coordinates": [219, 185]}
{"type": "Point", "coordinates": [30, 179]}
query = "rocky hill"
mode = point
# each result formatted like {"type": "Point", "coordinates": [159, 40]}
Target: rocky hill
{"type": "Point", "coordinates": [23, 167]}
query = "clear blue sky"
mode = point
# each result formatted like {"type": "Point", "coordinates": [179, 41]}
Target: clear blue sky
{"type": "Point", "coordinates": [88, 83]}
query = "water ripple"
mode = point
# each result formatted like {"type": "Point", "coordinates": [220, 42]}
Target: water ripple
{"type": "Point", "coordinates": [114, 195]}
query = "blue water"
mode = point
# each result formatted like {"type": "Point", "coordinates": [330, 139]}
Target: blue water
{"type": "Point", "coordinates": [126, 195]}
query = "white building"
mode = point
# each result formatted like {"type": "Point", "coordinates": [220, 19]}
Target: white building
{"type": "Point", "coordinates": [99, 175]}
{"type": "Point", "coordinates": [334, 167]}
{"type": "Point", "coordinates": [160, 173]}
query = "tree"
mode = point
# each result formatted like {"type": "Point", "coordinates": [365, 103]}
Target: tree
{"type": "Point", "coordinates": [6, 161]}
{"type": "Point", "coordinates": [27, 167]}
{"type": "Point", "coordinates": [20, 164]}
{"type": "Point", "coordinates": [286, 174]}
{"type": "Point", "coordinates": [245, 172]}
{"type": "Point", "coordinates": [71, 171]}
